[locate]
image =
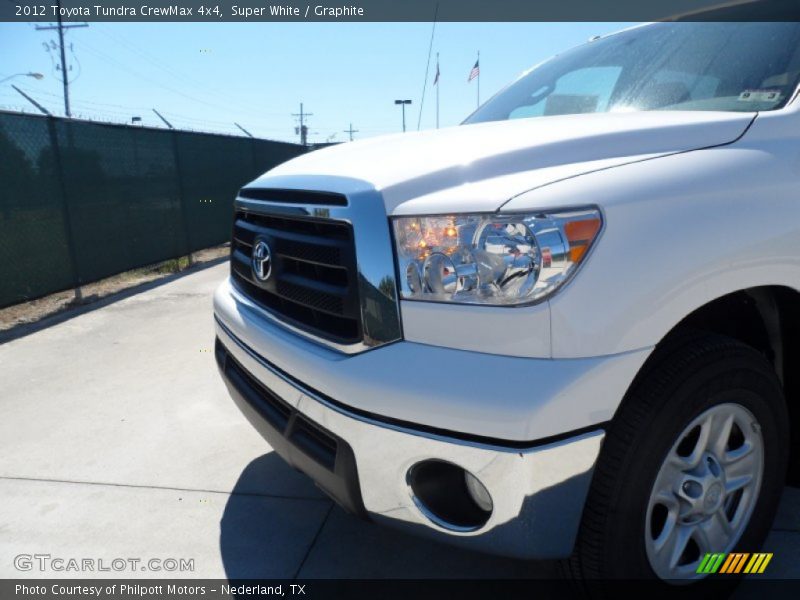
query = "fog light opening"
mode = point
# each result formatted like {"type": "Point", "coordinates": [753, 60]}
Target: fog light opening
{"type": "Point", "coordinates": [478, 492]}
{"type": "Point", "coordinates": [449, 496]}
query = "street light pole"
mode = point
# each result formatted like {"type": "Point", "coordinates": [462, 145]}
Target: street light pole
{"type": "Point", "coordinates": [34, 75]}
{"type": "Point", "coordinates": [403, 103]}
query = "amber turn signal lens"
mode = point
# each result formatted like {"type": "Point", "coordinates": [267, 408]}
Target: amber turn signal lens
{"type": "Point", "coordinates": [580, 234]}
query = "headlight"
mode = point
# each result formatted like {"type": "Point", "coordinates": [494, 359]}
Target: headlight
{"type": "Point", "coordinates": [491, 259]}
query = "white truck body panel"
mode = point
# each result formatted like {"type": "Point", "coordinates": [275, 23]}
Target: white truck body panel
{"type": "Point", "coordinates": [479, 167]}
{"type": "Point", "coordinates": [695, 205]}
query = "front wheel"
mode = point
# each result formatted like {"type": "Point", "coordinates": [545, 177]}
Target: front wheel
{"type": "Point", "coordinates": [705, 491]}
{"type": "Point", "coordinates": [693, 464]}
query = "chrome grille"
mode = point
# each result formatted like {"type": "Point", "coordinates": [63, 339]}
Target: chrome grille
{"type": "Point", "coordinates": [314, 279]}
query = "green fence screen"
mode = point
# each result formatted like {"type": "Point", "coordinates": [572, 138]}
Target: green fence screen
{"type": "Point", "coordinates": [80, 201]}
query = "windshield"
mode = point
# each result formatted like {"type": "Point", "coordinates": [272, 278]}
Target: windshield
{"type": "Point", "coordinates": [665, 66]}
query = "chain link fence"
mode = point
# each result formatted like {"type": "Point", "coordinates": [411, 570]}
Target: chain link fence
{"type": "Point", "coordinates": [81, 201]}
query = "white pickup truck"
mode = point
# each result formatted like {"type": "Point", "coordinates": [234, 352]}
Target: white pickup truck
{"type": "Point", "coordinates": [569, 328]}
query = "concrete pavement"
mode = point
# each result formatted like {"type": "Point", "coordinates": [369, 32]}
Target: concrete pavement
{"type": "Point", "coordinates": [118, 440]}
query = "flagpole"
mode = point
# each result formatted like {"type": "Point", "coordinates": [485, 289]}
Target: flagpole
{"type": "Point", "coordinates": [479, 78]}
{"type": "Point", "coordinates": [437, 90]}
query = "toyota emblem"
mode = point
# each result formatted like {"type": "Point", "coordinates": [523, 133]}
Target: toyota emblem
{"type": "Point", "coordinates": [261, 260]}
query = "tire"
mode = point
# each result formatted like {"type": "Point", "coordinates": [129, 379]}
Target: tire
{"type": "Point", "coordinates": [691, 375]}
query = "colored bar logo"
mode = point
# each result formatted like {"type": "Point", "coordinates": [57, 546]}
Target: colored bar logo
{"type": "Point", "coordinates": [735, 562]}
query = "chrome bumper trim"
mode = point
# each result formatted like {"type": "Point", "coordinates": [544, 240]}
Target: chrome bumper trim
{"type": "Point", "coordinates": [538, 493]}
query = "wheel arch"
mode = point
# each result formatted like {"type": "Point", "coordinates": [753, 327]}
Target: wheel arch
{"type": "Point", "coordinates": [766, 318]}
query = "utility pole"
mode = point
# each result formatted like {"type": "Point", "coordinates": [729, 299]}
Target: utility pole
{"type": "Point", "coordinates": [303, 128]}
{"type": "Point", "coordinates": [160, 116]}
{"type": "Point", "coordinates": [351, 131]}
{"type": "Point", "coordinates": [403, 103]}
{"type": "Point", "coordinates": [61, 27]}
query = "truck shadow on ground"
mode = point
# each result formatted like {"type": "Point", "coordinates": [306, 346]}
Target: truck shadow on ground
{"type": "Point", "coordinates": [276, 524]}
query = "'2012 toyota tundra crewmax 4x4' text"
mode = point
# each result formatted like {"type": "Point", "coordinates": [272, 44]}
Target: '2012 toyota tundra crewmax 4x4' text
{"type": "Point", "coordinates": [569, 328]}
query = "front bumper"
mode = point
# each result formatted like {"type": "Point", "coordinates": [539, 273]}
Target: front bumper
{"type": "Point", "coordinates": [538, 492]}
{"type": "Point", "coordinates": [488, 396]}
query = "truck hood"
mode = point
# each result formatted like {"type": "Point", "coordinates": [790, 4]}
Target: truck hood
{"type": "Point", "coordinates": [480, 167]}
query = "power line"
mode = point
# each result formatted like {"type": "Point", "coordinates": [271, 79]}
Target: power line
{"type": "Point", "coordinates": [200, 86]}
{"type": "Point", "coordinates": [90, 102]}
{"type": "Point", "coordinates": [112, 112]}
{"type": "Point", "coordinates": [126, 110]}
{"type": "Point", "coordinates": [135, 73]}
{"type": "Point", "coordinates": [117, 61]}
{"type": "Point", "coordinates": [427, 67]}
{"type": "Point", "coordinates": [102, 55]}
{"type": "Point", "coordinates": [190, 124]}
{"type": "Point", "coordinates": [122, 117]}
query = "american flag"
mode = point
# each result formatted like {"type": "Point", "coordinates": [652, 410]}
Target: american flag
{"type": "Point", "coordinates": [436, 79]}
{"type": "Point", "coordinates": [476, 70]}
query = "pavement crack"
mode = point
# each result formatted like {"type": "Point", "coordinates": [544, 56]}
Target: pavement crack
{"type": "Point", "coordinates": [313, 542]}
{"type": "Point", "coordinates": [162, 487]}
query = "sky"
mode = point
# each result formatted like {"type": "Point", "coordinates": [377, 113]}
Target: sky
{"type": "Point", "coordinates": [208, 76]}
